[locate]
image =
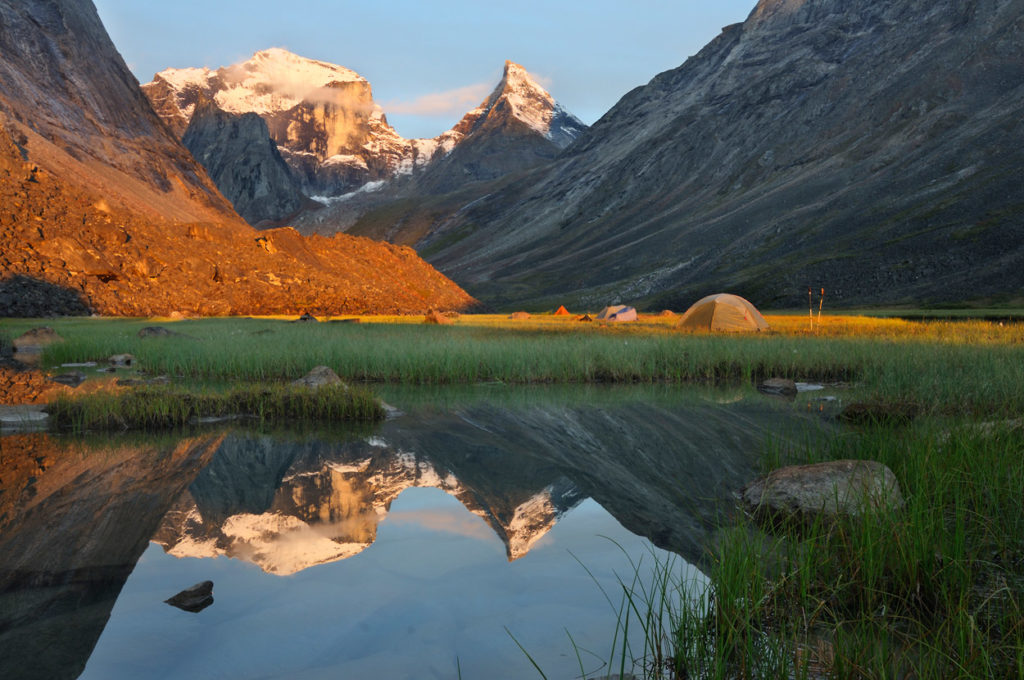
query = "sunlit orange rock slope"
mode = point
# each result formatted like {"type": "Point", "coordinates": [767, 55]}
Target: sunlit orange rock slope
{"type": "Point", "coordinates": [102, 210]}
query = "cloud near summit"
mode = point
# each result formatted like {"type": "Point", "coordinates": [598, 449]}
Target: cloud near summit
{"type": "Point", "coordinates": [450, 102]}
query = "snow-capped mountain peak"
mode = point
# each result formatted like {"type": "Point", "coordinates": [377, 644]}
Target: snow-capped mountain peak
{"type": "Point", "coordinates": [271, 81]}
{"type": "Point", "coordinates": [336, 140]}
{"type": "Point", "coordinates": [520, 97]}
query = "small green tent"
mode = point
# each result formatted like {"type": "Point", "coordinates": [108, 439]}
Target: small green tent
{"type": "Point", "coordinates": [723, 312]}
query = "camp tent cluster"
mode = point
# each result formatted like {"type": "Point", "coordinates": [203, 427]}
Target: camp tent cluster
{"type": "Point", "coordinates": [721, 312]}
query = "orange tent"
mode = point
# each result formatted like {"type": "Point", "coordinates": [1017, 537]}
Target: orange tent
{"type": "Point", "coordinates": [562, 311]}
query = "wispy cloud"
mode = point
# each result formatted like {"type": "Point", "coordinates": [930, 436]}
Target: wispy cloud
{"type": "Point", "coordinates": [451, 102]}
{"type": "Point", "coordinates": [453, 521]}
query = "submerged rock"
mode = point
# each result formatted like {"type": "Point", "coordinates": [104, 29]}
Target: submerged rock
{"type": "Point", "coordinates": [71, 378]}
{"type": "Point", "coordinates": [880, 413]}
{"type": "Point", "coordinates": [124, 360]}
{"type": "Point", "coordinates": [781, 386]}
{"type": "Point", "coordinates": [194, 599]}
{"type": "Point", "coordinates": [805, 492]}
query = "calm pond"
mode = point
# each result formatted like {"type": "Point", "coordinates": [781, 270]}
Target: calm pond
{"type": "Point", "coordinates": [430, 546]}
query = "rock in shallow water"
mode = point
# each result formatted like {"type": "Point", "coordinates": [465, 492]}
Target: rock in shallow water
{"type": "Point", "coordinates": [194, 599]}
{"type": "Point", "coordinates": [781, 386]}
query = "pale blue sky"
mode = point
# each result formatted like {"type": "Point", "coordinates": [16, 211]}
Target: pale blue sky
{"type": "Point", "coordinates": [587, 54]}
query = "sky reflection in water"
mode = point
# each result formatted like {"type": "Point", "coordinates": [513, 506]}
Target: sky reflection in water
{"type": "Point", "coordinates": [435, 589]}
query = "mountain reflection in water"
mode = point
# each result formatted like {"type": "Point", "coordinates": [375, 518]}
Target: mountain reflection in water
{"type": "Point", "coordinates": [73, 527]}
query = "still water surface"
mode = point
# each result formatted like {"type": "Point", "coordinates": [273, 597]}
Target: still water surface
{"type": "Point", "coordinates": [415, 549]}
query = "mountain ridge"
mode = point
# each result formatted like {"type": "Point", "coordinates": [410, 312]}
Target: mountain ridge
{"type": "Point", "coordinates": [863, 147]}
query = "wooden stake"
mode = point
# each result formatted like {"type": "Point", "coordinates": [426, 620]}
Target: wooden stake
{"type": "Point", "coordinates": [810, 308]}
{"type": "Point", "coordinates": [821, 302]}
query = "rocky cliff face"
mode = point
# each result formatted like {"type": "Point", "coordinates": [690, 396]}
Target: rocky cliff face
{"type": "Point", "coordinates": [322, 117]}
{"type": "Point", "coordinates": [72, 108]}
{"type": "Point", "coordinates": [105, 211]}
{"type": "Point", "coordinates": [868, 147]}
{"type": "Point", "coordinates": [337, 141]}
{"type": "Point", "coordinates": [244, 162]}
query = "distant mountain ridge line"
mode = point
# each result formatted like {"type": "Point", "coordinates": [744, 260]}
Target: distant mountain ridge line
{"type": "Point", "coordinates": [330, 131]}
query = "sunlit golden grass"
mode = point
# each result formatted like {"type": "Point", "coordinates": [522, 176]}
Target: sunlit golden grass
{"type": "Point", "coordinates": [829, 326]}
{"type": "Point", "coordinates": [963, 367]}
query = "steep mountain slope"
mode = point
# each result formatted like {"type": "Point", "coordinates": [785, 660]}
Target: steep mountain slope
{"type": "Point", "coordinates": [518, 126]}
{"type": "Point", "coordinates": [869, 147]}
{"type": "Point", "coordinates": [73, 109]}
{"type": "Point", "coordinates": [105, 211]}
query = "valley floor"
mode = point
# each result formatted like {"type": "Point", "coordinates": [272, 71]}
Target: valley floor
{"type": "Point", "coordinates": [935, 589]}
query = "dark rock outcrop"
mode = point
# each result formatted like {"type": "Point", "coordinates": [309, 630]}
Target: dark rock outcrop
{"type": "Point", "coordinates": [244, 162]}
{"type": "Point", "coordinates": [194, 599]}
{"type": "Point", "coordinates": [868, 147]}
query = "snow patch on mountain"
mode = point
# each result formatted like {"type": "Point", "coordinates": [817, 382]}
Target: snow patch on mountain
{"type": "Point", "coordinates": [531, 521]}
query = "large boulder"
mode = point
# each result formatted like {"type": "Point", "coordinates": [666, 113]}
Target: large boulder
{"type": "Point", "coordinates": [807, 492]}
{"type": "Point", "coordinates": [318, 377]}
{"type": "Point", "coordinates": [35, 339]}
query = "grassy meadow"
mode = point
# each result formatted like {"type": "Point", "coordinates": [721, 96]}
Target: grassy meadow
{"type": "Point", "coordinates": [953, 368]}
{"type": "Point", "coordinates": [935, 590]}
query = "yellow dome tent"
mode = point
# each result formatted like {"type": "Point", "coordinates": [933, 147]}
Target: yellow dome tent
{"type": "Point", "coordinates": [723, 312]}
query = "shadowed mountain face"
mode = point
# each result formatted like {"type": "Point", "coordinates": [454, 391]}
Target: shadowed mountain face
{"type": "Point", "coordinates": [868, 147]}
{"type": "Point", "coordinates": [244, 163]}
{"type": "Point", "coordinates": [101, 202]}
